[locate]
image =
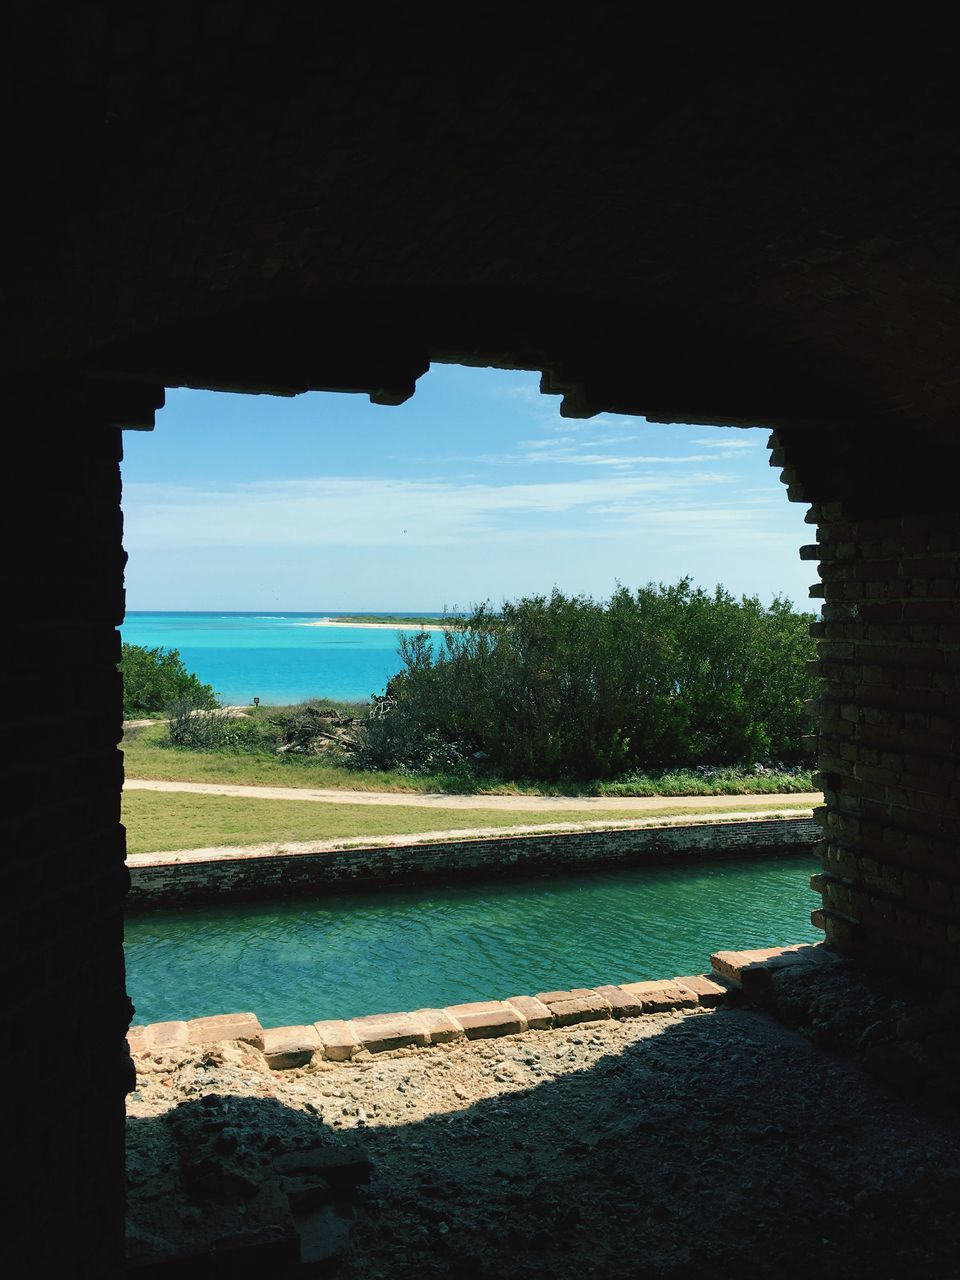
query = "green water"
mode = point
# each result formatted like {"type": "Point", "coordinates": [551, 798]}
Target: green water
{"type": "Point", "coordinates": [342, 956]}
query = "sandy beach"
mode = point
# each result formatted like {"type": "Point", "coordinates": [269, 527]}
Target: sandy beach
{"type": "Point", "coordinates": [376, 626]}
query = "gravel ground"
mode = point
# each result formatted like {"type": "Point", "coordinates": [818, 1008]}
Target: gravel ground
{"type": "Point", "coordinates": [701, 1144]}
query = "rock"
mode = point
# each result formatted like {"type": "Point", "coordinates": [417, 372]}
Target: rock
{"type": "Point", "coordinates": [341, 1166]}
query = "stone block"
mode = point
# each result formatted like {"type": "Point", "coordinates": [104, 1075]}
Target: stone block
{"type": "Point", "coordinates": [485, 1019]}
{"type": "Point", "coordinates": [440, 1027]}
{"type": "Point", "coordinates": [538, 1016]}
{"type": "Point", "coordinates": [473, 1006]}
{"type": "Point", "coordinates": [709, 991]}
{"type": "Point", "coordinates": [137, 1039]}
{"type": "Point", "coordinates": [340, 1039]}
{"type": "Point", "coordinates": [166, 1035]}
{"type": "Point", "coordinates": [554, 997]}
{"type": "Point", "coordinates": [661, 996]}
{"type": "Point", "coordinates": [381, 1032]}
{"type": "Point", "coordinates": [224, 1026]}
{"type": "Point", "coordinates": [288, 1047]}
{"type": "Point", "coordinates": [341, 1167]}
{"type": "Point", "coordinates": [752, 970]}
{"type": "Point", "coordinates": [585, 1008]}
{"type": "Point", "coordinates": [622, 1003]}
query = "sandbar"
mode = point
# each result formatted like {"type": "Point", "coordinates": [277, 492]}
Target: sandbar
{"type": "Point", "coordinates": [377, 626]}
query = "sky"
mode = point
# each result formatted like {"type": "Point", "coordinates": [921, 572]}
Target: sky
{"type": "Point", "coordinates": [474, 490]}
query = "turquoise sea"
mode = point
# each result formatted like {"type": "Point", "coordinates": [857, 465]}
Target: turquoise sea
{"type": "Point", "coordinates": [278, 658]}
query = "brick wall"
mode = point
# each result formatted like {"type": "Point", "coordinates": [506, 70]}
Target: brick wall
{"type": "Point", "coordinates": [889, 708]}
{"type": "Point", "coordinates": [64, 848]}
{"type": "Point", "coordinates": [163, 879]}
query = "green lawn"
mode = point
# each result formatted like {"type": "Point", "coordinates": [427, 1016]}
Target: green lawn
{"type": "Point", "coordinates": [144, 757]}
{"type": "Point", "coordinates": [158, 820]}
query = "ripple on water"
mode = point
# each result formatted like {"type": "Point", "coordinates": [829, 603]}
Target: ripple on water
{"type": "Point", "coordinates": [359, 953]}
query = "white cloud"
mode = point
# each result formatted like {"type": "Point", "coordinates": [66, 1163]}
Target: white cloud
{"type": "Point", "coordinates": [742, 440]}
{"type": "Point", "coordinates": [352, 511]}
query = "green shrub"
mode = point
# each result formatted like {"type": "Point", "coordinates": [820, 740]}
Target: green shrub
{"type": "Point", "coordinates": [155, 678]}
{"type": "Point", "coordinates": [211, 729]}
{"type": "Point", "coordinates": [568, 687]}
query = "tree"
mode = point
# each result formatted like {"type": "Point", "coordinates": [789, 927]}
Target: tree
{"type": "Point", "coordinates": [155, 678]}
{"type": "Point", "coordinates": [560, 686]}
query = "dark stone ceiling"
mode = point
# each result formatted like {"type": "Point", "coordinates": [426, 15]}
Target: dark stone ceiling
{"type": "Point", "coordinates": [708, 213]}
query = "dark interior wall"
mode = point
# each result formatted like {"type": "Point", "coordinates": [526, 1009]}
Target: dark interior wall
{"type": "Point", "coordinates": [700, 218]}
{"type": "Point", "coordinates": [65, 879]}
{"type": "Point", "coordinates": [888, 741]}
{"type": "Point", "coordinates": [714, 219]}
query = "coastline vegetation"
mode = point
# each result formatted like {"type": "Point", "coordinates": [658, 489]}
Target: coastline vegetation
{"type": "Point", "coordinates": [153, 679]}
{"type": "Point", "coordinates": [567, 687]}
{"type": "Point", "coordinates": [663, 691]}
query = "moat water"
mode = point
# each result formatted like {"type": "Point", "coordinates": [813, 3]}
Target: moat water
{"type": "Point", "coordinates": [373, 952]}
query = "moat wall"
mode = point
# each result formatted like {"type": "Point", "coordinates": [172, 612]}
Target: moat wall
{"type": "Point", "coordinates": [171, 879]}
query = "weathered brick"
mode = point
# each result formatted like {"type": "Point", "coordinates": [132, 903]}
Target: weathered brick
{"type": "Point", "coordinates": [288, 1047]}
{"type": "Point", "coordinates": [591, 1008]}
{"type": "Point", "coordinates": [440, 1027]}
{"type": "Point", "coordinates": [166, 1035]}
{"type": "Point", "coordinates": [340, 1039]}
{"type": "Point", "coordinates": [708, 990]}
{"type": "Point", "coordinates": [485, 1019]}
{"type": "Point", "coordinates": [137, 1039]}
{"type": "Point", "coordinates": [622, 1003]}
{"type": "Point", "coordinates": [381, 1032]}
{"type": "Point", "coordinates": [661, 996]}
{"type": "Point", "coordinates": [225, 1026]}
{"type": "Point", "coordinates": [751, 970]}
{"type": "Point", "coordinates": [554, 997]}
{"type": "Point", "coordinates": [537, 1014]}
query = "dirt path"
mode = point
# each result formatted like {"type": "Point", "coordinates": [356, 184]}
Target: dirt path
{"type": "Point", "coordinates": [526, 804]}
{"type": "Point", "coordinates": [682, 1146]}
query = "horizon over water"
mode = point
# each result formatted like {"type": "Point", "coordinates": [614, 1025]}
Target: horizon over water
{"type": "Point", "coordinates": [275, 656]}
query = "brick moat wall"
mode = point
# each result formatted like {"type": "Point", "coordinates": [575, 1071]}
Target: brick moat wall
{"type": "Point", "coordinates": [889, 734]}
{"type": "Point", "coordinates": [169, 879]}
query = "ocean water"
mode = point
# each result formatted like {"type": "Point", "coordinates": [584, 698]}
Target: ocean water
{"type": "Point", "coordinates": [356, 953]}
{"type": "Point", "coordinates": [278, 658]}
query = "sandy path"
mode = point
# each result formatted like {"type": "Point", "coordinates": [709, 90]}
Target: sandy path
{"type": "Point", "coordinates": [506, 804]}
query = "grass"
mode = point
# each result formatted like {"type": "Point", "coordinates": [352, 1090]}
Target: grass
{"type": "Point", "coordinates": [145, 757]}
{"type": "Point", "coordinates": [171, 820]}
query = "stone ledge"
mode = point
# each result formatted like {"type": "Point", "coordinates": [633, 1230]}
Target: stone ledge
{"type": "Point", "coordinates": [225, 1026]}
{"type": "Point", "coordinates": [752, 971]}
{"type": "Point", "coordinates": [338, 1041]}
{"type": "Point", "coordinates": [662, 997]}
{"type": "Point", "coordinates": [286, 1047]}
{"type": "Point", "coordinates": [485, 1019]}
{"type": "Point", "coordinates": [289, 870]}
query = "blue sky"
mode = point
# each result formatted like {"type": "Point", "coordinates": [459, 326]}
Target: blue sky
{"type": "Point", "coordinates": [475, 489]}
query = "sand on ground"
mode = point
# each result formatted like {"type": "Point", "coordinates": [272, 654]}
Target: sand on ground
{"type": "Point", "coordinates": [377, 626]}
{"type": "Point", "coordinates": [652, 805]}
{"type": "Point", "coordinates": [703, 1144]}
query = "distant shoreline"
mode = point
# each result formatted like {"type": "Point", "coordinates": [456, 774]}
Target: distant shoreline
{"type": "Point", "coordinates": [377, 626]}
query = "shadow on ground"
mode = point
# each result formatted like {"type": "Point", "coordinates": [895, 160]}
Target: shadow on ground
{"type": "Point", "coordinates": [723, 1146]}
